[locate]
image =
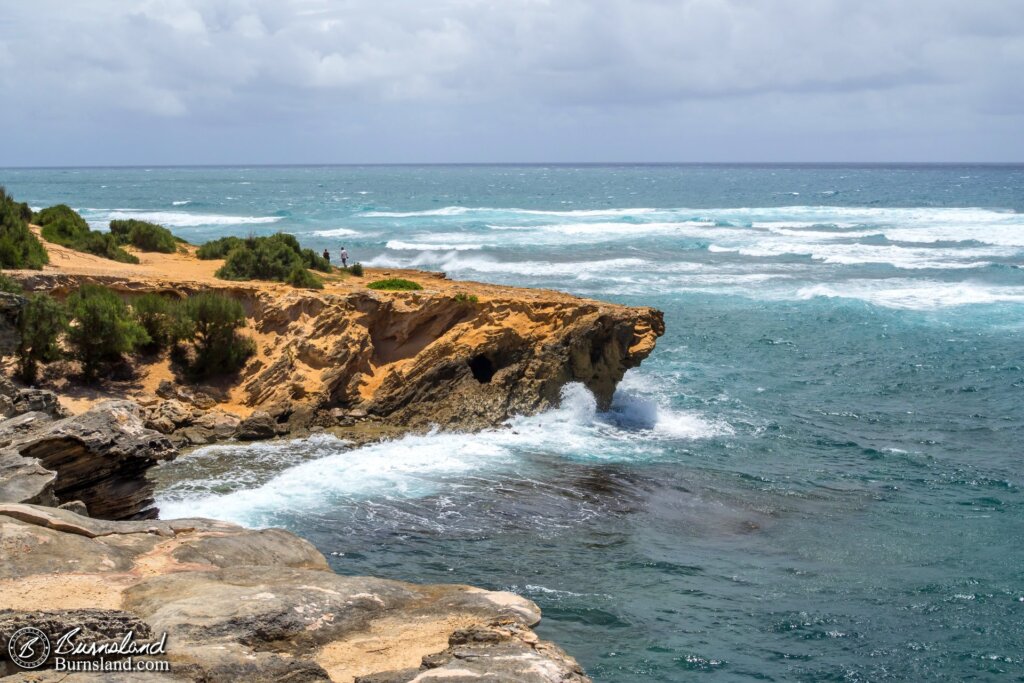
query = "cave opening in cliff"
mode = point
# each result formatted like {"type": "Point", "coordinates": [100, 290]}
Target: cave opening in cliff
{"type": "Point", "coordinates": [482, 368]}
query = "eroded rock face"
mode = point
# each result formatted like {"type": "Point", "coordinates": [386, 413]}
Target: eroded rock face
{"type": "Point", "coordinates": [458, 355]}
{"type": "Point", "coordinates": [99, 458]}
{"type": "Point", "coordinates": [419, 359]}
{"type": "Point", "coordinates": [241, 604]}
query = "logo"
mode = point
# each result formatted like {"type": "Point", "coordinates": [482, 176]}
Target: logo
{"type": "Point", "coordinates": [28, 647]}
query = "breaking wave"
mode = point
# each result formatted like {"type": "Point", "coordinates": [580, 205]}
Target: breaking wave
{"type": "Point", "coordinates": [421, 465]}
{"type": "Point", "coordinates": [172, 219]}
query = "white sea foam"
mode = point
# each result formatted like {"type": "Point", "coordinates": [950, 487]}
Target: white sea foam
{"type": "Point", "coordinates": [336, 232]}
{"type": "Point", "coordinates": [429, 246]}
{"type": "Point", "coordinates": [446, 211]}
{"type": "Point", "coordinates": [467, 210]}
{"type": "Point", "coordinates": [633, 407]}
{"type": "Point", "coordinates": [416, 466]}
{"type": "Point", "coordinates": [174, 219]}
{"type": "Point", "coordinates": [182, 202]}
{"type": "Point", "coordinates": [920, 224]}
{"type": "Point", "coordinates": [916, 294]}
{"type": "Point", "coordinates": [852, 254]}
{"type": "Point", "coordinates": [454, 262]}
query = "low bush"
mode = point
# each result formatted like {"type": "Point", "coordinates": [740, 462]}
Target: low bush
{"type": "Point", "coordinates": [219, 248]}
{"type": "Point", "coordinates": [42, 321]}
{"type": "Point", "coordinates": [215, 322]}
{"type": "Point", "coordinates": [467, 299]}
{"type": "Point", "coordinates": [105, 245]}
{"type": "Point", "coordinates": [303, 279]}
{"type": "Point", "coordinates": [144, 236]}
{"type": "Point", "coordinates": [396, 284]}
{"type": "Point", "coordinates": [277, 257]}
{"type": "Point", "coordinates": [19, 248]}
{"type": "Point", "coordinates": [62, 225]}
{"type": "Point", "coordinates": [102, 328]}
{"type": "Point", "coordinates": [10, 285]}
{"type": "Point", "coordinates": [164, 320]}
{"type": "Point", "coordinates": [356, 269]}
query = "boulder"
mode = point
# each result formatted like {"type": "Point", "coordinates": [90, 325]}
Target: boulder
{"type": "Point", "coordinates": [210, 427]}
{"type": "Point", "coordinates": [99, 458]}
{"type": "Point", "coordinates": [169, 390]}
{"type": "Point", "coordinates": [16, 401]}
{"type": "Point", "coordinates": [258, 426]}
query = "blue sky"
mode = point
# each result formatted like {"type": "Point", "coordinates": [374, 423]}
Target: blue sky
{"type": "Point", "coordinates": [359, 81]}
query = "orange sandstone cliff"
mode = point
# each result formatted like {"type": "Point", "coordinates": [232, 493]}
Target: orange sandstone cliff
{"type": "Point", "coordinates": [459, 355]}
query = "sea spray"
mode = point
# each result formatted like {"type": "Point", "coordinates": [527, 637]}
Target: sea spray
{"type": "Point", "coordinates": [416, 465]}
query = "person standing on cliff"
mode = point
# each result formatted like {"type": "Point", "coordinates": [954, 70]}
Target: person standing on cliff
{"type": "Point", "coordinates": [327, 256]}
{"type": "Point", "coordinates": [344, 257]}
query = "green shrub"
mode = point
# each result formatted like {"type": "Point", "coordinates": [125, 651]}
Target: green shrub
{"type": "Point", "coordinates": [219, 348]}
{"type": "Point", "coordinates": [105, 245]}
{"type": "Point", "coordinates": [103, 328]}
{"type": "Point", "coordinates": [467, 299]}
{"type": "Point", "coordinates": [144, 236]}
{"type": "Point", "coordinates": [356, 269]}
{"type": "Point", "coordinates": [395, 283]}
{"type": "Point", "coordinates": [164, 320]}
{"type": "Point", "coordinates": [218, 248]}
{"type": "Point", "coordinates": [302, 278]}
{"type": "Point", "coordinates": [62, 225]}
{"type": "Point", "coordinates": [40, 325]}
{"type": "Point", "coordinates": [19, 248]}
{"type": "Point", "coordinates": [265, 258]}
{"type": "Point", "coordinates": [315, 261]}
{"type": "Point", "coordinates": [10, 285]}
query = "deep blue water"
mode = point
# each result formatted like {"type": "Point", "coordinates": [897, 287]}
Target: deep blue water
{"type": "Point", "coordinates": [816, 476]}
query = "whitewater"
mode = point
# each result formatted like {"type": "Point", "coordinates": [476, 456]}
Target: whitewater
{"type": "Point", "coordinates": [816, 475]}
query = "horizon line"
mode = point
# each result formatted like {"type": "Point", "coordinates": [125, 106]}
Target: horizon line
{"type": "Point", "coordinates": [517, 163]}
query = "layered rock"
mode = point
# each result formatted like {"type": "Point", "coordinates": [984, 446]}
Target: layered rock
{"type": "Point", "coordinates": [458, 355]}
{"type": "Point", "coordinates": [98, 459]}
{"type": "Point", "coordinates": [240, 604]}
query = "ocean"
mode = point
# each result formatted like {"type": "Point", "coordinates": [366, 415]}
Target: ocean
{"type": "Point", "coordinates": [817, 475]}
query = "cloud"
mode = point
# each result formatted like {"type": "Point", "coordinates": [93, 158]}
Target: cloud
{"type": "Point", "coordinates": [329, 62]}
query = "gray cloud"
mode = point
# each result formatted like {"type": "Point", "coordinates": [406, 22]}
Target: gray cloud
{"type": "Point", "coordinates": [174, 81]}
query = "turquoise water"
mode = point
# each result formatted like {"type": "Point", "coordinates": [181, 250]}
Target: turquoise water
{"type": "Point", "coordinates": [816, 476]}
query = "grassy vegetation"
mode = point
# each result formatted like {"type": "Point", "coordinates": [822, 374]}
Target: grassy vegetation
{"type": "Point", "coordinates": [395, 284]}
{"type": "Point", "coordinates": [355, 269]}
{"type": "Point", "coordinates": [144, 236]}
{"type": "Point", "coordinates": [97, 327]}
{"type": "Point", "coordinates": [42, 322]}
{"type": "Point", "coordinates": [62, 225]}
{"type": "Point", "coordinates": [10, 285]}
{"type": "Point", "coordinates": [278, 257]}
{"type": "Point", "coordinates": [164, 320]}
{"type": "Point", "coordinates": [19, 248]}
{"type": "Point", "coordinates": [219, 248]}
{"type": "Point", "coordinates": [215, 320]}
{"type": "Point", "coordinates": [467, 299]}
{"type": "Point", "coordinates": [104, 328]}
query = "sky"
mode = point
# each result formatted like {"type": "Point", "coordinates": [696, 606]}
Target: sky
{"type": "Point", "coordinates": [115, 82]}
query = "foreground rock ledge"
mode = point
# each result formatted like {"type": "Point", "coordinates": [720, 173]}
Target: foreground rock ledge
{"type": "Point", "coordinates": [254, 605]}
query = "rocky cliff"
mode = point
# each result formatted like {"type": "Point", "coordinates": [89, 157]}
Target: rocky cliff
{"type": "Point", "coordinates": [456, 354]}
